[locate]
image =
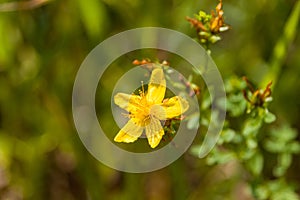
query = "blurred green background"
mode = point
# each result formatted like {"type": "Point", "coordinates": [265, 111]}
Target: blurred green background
{"type": "Point", "coordinates": [41, 49]}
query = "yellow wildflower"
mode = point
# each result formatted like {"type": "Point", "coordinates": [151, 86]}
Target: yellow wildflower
{"type": "Point", "coordinates": [147, 110]}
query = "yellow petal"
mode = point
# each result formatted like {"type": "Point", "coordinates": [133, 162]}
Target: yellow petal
{"type": "Point", "coordinates": [156, 87]}
{"type": "Point", "coordinates": [125, 100]}
{"type": "Point", "coordinates": [175, 106]}
{"type": "Point", "coordinates": [158, 111]}
{"type": "Point", "coordinates": [129, 133]}
{"type": "Point", "coordinates": [154, 132]}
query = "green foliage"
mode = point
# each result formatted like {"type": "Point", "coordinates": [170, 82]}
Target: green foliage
{"type": "Point", "coordinates": [282, 141]}
{"type": "Point", "coordinates": [93, 17]}
{"type": "Point", "coordinates": [43, 44]}
{"type": "Point", "coordinates": [252, 141]}
{"type": "Point", "coordinates": [275, 190]}
{"type": "Point", "coordinates": [246, 138]}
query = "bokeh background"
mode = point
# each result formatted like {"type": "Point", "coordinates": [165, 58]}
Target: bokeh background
{"type": "Point", "coordinates": [41, 49]}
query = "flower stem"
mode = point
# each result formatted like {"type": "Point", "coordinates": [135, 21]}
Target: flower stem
{"type": "Point", "coordinates": [280, 50]}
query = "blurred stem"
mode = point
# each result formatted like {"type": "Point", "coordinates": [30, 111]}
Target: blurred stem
{"type": "Point", "coordinates": [21, 5]}
{"type": "Point", "coordinates": [280, 50]}
{"type": "Point", "coordinates": [179, 179]}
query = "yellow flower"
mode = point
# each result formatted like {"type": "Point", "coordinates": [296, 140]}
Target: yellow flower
{"type": "Point", "coordinates": [147, 110]}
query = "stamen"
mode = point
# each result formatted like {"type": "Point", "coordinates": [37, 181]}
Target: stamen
{"type": "Point", "coordinates": [126, 114]}
{"type": "Point", "coordinates": [143, 89]}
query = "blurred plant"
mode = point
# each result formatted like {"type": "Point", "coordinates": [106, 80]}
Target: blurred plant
{"type": "Point", "coordinates": [209, 26]}
{"type": "Point", "coordinates": [280, 50]}
{"type": "Point", "coordinates": [246, 137]}
{"type": "Point", "coordinates": [246, 140]}
{"type": "Point", "coordinates": [22, 5]}
{"type": "Point", "coordinates": [41, 158]}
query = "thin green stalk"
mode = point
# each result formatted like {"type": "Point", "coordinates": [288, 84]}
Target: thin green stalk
{"type": "Point", "coordinates": [280, 50]}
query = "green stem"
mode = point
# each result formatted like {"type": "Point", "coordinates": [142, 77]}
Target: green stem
{"type": "Point", "coordinates": [280, 50]}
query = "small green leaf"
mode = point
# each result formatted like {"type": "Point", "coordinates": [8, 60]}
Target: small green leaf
{"type": "Point", "coordinates": [255, 164]}
{"type": "Point", "coordinates": [285, 159]}
{"type": "Point", "coordinates": [280, 190]}
{"type": "Point", "coordinates": [284, 162]}
{"type": "Point", "coordinates": [293, 147]}
{"type": "Point", "coordinates": [228, 135]}
{"type": "Point", "coordinates": [252, 126]}
{"type": "Point", "coordinates": [211, 160]}
{"type": "Point", "coordinates": [237, 138]}
{"type": "Point", "coordinates": [236, 105]}
{"type": "Point", "coordinates": [262, 192]}
{"type": "Point", "coordinates": [284, 133]}
{"type": "Point", "coordinates": [279, 171]}
{"type": "Point", "coordinates": [246, 154]}
{"type": "Point", "coordinates": [274, 146]}
{"type": "Point", "coordinates": [251, 143]}
{"type": "Point", "coordinates": [269, 117]}
{"type": "Point", "coordinates": [225, 157]}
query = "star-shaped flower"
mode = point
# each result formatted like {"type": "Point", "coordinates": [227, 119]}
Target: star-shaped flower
{"type": "Point", "coordinates": [146, 111]}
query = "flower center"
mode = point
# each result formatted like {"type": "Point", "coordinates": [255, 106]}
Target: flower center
{"type": "Point", "coordinates": [140, 112]}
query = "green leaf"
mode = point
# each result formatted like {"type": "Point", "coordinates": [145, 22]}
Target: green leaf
{"type": "Point", "coordinates": [269, 117]}
{"type": "Point", "coordinates": [281, 140]}
{"type": "Point", "coordinates": [237, 138]}
{"type": "Point", "coordinates": [284, 194]}
{"type": "Point", "coordinates": [274, 146]}
{"type": "Point", "coordinates": [284, 162]}
{"type": "Point", "coordinates": [262, 192]}
{"type": "Point", "coordinates": [220, 158]}
{"type": "Point", "coordinates": [252, 126]}
{"type": "Point", "coordinates": [285, 159]}
{"type": "Point", "coordinates": [280, 190]}
{"type": "Point", "coordinates": [293, 147]}
{"type": "Point", "coordinates": [279, 171]}
{"type": "Point", "coordinates": [236, 104]}
{"type": "Point", "coordinates": [255, 164]}
{"type": "Point", "coordinates": [247, 154]}
{"type": "Point", "coordinates": [285, 133]}
{"type": "Point", "coordinates": [235, 84]}
{"type": "Point", "coordinates": [228, 135]}
{"type": "Point", "coordinates": [251, 143]}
